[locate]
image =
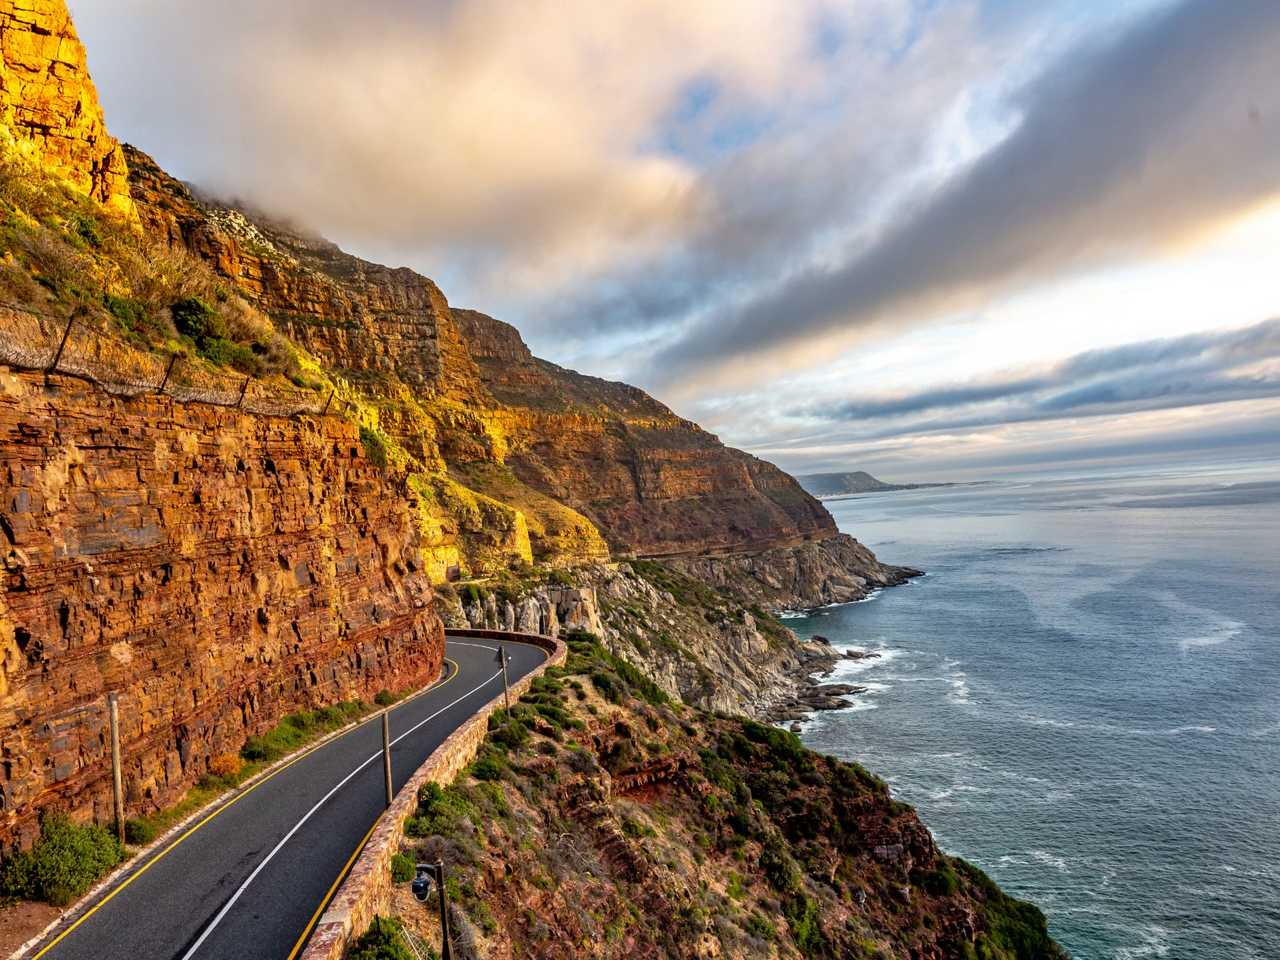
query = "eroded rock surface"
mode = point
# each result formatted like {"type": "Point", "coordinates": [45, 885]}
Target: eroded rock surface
{"type": "Point", "coordinates": [213, 568]}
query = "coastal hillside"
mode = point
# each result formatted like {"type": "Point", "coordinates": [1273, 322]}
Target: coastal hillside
{"type": "Point", "coordinates": [602, 820]}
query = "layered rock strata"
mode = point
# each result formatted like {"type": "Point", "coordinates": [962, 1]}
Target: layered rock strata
{"type": "Point", "coordinates": [216, 570]}
{"type": "Point", "coordinates": [585, 461]}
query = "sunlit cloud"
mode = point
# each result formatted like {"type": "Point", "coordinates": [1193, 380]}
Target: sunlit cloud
{"type": "Point", "coordinates": [782, 218]}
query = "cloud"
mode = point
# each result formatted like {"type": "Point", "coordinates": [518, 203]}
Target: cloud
{"type": "Point", "coordinates": [1169, 374]}
{"type": "Point", "coordinates": [1126, 147]}
{"type": "Point", "coordinates": [512, 147]}
{"type": "Point", "coordinates": [1216, 367]}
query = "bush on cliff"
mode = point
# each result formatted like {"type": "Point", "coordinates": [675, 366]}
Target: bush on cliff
{"type": "Point", "coordinates": [382, 941]}
{"type": "Point", "coordinates": [63, 864]}
{"type": "Point", "coordinates": [402, 868]}
{"type": "Point", "coordinates": [375, 447]}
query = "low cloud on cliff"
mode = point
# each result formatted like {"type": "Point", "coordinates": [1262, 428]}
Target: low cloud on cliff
{"type": "Point", "coordinates": [754, 205]}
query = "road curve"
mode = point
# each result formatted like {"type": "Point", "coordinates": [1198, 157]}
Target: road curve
{"type": "Point", "coordinates": [249, 880]}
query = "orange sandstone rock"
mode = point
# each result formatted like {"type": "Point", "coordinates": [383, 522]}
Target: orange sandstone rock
{"type": "Point", "coordinates": [49, 105]}
{"type": "Point", "coordinates": [215, 569]}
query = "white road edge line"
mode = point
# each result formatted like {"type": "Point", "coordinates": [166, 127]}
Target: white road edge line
{"type": "Point", "coordinates": [307, 816]}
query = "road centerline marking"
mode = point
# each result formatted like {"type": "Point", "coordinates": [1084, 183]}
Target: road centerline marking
{"type": "Point", "coordinates": [226, 908]}
{"type": "Point", "coordinates": [223, 808]}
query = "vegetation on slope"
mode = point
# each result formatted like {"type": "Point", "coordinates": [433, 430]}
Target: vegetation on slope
{"type": "Point", "coordinates": [602, 819]}
{"type": "Point", "coordinates": [63, 255]}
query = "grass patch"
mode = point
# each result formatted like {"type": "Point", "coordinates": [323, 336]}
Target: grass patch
{"type": "Point", "coordinates": [298, 729]}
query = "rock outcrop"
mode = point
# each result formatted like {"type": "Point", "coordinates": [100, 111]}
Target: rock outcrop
{"type": "Point", "coordinates": [654, 483]}
{"type": "Point", "coordinates": [698, 644]}
{"type": "Point", "coordinates": [837, 569]}
{"type": "Point", "coordinates": [585, 462]}
{"type": "Point", "coordinates": [214, 569]}
{"type": "Point", "coordinates": [48, 103]}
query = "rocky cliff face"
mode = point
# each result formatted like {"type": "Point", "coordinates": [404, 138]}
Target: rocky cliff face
{"type": "Point", "coordinates": [582, 460]}
{"type": "Point", "coordinates": [48, 103]}
{"type": "Point", "coordinates": [655, 484]}
{"type": "Point", "coordinates": [711, 649]}
{"type": "Point", "coordinates": [214, 569]}
{"type": "Point", "coordinates": [837, 569]}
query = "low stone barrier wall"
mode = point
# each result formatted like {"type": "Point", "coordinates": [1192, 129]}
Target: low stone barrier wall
{"type": "Point", "coordinates": [366, 891]}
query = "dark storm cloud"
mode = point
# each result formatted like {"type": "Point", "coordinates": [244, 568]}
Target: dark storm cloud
{"type": "Point", "coordinates": [1123, 148]}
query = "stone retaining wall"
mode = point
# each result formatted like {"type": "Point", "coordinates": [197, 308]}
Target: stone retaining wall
{"type": "Point", "coordinates": [366, 891]}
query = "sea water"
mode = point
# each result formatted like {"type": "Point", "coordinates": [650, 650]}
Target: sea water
{"type": "Point", "coordinates": [1083, 697]}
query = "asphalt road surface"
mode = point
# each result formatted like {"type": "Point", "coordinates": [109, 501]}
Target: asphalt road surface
{"type": "Point", "coordinates": [250, 880]}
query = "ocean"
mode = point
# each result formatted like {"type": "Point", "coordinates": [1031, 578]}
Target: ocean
{"type": "Point", "coordinates": [1083, 697]}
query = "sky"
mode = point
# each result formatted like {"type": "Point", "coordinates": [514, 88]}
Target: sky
{"type": "Point", "coordinates": [934, 239]}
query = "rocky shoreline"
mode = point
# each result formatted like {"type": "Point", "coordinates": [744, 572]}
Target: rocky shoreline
{"type": "Point", "coordinates": [812, 695]}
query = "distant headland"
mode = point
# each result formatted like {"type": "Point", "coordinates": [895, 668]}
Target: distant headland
{"type": "Point", "coordinates": [824, 485]}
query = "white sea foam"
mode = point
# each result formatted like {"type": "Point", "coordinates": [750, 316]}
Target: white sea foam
{"type": "Point", "coordinates": [826, 608]}
{"type": "Point", "coordinates": [1153, 942]}
{"type": "Point", "coordinates": [959, 689]}
{"type": "Point", "coordinates": [1194, 728]}
{"type": "Point", "coordinates": [1210, 628]}
{"type": "Point", "coordinates": [1045, 721]}
{"type": "Point", "coordinates": [1050, 860]}
{"type": "Point", "coordinates": [847, 669]}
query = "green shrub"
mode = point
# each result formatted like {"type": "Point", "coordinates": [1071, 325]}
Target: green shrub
{"type": "Point", "coordinates": [402, 868]}
{"type": "Point", "coordinates": [760, 928]}
{"type": "Point", "coordinates": [489, 767]}
{"type": "Point", "coordinates": [86, 229]}
{"type": "Point", "coordinates": [383, 698]}
{"type": "Point", "coordinates": [228, 353]}
{"type": "Point", "coordinates": [779, 867]}
{"type": "Point", "coordinates": [63, 864]}
{"type": "Point", "coordinates": [382, 941]}
{"type": "Point", "coordinates": [635, 829]}
{"type": "Point", "coordinates": [375, 447]}
{"type": "Point", "coordinates": [941, 882]}
{"type": "Point", "coordinates": [440, 810]}
{"type": "Point", "coordinates": [297, 729]}
{"type": "Point", "coordinates": [802, 915]}
{"type": "Point", "coordinates": [134, 317]}
{"type": "Point", "coordinates": [196, 319]}
{"type": "Point", "coordinates": [138, 832]}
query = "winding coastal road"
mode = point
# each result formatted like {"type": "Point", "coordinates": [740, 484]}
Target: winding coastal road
{"type": "Point", "coordinates": [249, 878]}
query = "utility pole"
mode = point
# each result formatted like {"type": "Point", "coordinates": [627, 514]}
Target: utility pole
{"type": "Point", "coordinates": [506, 684]}
{"type": "Point", "coordinates": [62, 345]}
{"type": "Point", "coordinates": [446, 947]}
{"type": "Point", "coordinates": [386, 753]}
{"type": "Point", "coordinates": [173, 360]}
{"type": "Point", "coordinates": [117, 785]}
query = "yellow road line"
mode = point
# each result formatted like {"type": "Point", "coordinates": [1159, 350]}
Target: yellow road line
{"type": "Point", "coordinates": [226, 806]}
{"type": "Point", "coordinates": [342, 875]}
